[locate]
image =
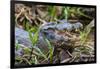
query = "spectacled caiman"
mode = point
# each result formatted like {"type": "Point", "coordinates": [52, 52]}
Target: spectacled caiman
{"type": "Point", "coordinates": [50, 31]}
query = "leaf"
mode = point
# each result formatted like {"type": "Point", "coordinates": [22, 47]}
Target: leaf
{"type": "Point", "coordinates": [40, 52]}
{"type": "Point", "coordinates": [82, 14]}
{"type": "Point", "coordinates": [18, 58]}
{"type": "Point", "coordinates": [52, 12]}
{"type": "Point", "coordinates": [85, 33]}
{"type": "Point", "coordinates": [36, 61]}
{"type": "Point", "coordinates": [66, 13]}
{"type": "Point", "coordinates": [27, 50]}
{"type": "Point", "coordinates": [34, 38]}
{"type": "Point", "coordinates": [17, 46]}
{"type": "Point", "coordinates": [33, 29]}
{"type": "Point", "coordinates": [51, 49]}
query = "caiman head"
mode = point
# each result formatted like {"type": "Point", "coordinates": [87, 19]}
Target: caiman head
{"type": "Point", "coordinates": [60, 34]}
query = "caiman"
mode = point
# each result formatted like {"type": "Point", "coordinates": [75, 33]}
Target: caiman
{"type": "Point", "coordinates": [51, 32]}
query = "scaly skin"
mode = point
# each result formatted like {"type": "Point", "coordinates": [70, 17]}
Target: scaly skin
{"type": "Point", "coordinates": [48, 30]}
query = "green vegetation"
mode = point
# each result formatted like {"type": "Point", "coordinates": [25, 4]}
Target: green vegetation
{"type": "Point", "coordinates": [79, 40]}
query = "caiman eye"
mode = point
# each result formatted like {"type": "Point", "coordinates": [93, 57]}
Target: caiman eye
{"type": "Point", "coordinates": [49, 34]}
